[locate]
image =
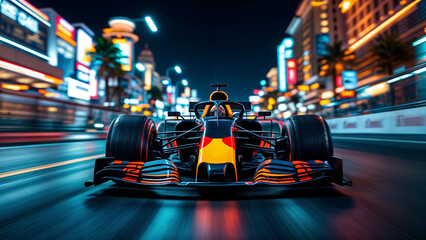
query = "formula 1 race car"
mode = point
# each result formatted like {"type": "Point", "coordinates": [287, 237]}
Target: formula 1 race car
{"type": "Point", "coordinates": [219, 144]}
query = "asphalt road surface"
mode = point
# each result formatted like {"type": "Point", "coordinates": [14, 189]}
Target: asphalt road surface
{"type": "Point", "coordinates": [42, 197]}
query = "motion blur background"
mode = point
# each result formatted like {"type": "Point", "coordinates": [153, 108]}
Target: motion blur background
{"type": "Point", "coordinates": [67, 69]}
{"type": "Point", "coordinates": [333, 58]}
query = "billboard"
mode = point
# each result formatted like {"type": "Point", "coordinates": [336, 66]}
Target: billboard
{"type": "Point", "coordinates": [77, 89]}
{"type": "Point", "coordinates": [349, 79]}
{"type": "Point", "coordinates": [83, 59]}
{"type": "Point", "coordinates": [84, 46]}
{"type": "Point", "coordinates": [65, 30]}
{"type": "Point", "coordinates": [23, 28]}
{"type": "Point", "coordinates": [322, 40]}
{"type": "Point", "coordinates": [65, 46]}
{"type": "Point", "coordinates": [285, 51]}
{"type": "Point", "coordinates": [291, 71]}
{"type": "Point", "coordinates": [126, 53]}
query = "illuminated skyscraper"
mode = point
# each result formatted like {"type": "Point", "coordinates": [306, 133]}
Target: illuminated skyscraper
{"type": "Point", "coordinates": [316, 24]}
{"type": "Point", "coordinates": [367, 19]}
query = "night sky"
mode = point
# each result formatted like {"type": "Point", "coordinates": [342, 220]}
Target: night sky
{"type": "Point", "coordinates": [212, 40]}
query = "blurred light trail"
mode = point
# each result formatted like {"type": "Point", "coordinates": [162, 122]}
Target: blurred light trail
{"type": "Point", "coordinates": [151, 24]}
{"type": "Point", "coordinates": [382, 26]}
{"type": "Point", "coordinates": [379, 140]}
{"type": "Point", "coordinates": [15, 87]}
{"type": "Point", "coordinates": [51, 165]}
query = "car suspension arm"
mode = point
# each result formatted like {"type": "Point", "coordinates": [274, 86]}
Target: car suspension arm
{"type": "Point", "coordinates": [181, 135]}
{"type": "Point", "coordinates": [254, 134]}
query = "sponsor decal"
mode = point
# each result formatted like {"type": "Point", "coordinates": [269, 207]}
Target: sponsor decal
{"type": "Point", "coordinates": [403, 121]}
{"type": "Point", "coordinates": [374, 123]}
{"type": "Point", "coordinates": [349, 124]}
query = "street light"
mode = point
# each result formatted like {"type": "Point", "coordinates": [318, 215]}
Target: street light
{"type": "Point", "coordinates": [151, 24]}
{"type": "Point", "coordinates": [176, 68]}
{"type": "Point", "coordinates": [165, 82]}
{"type": "Point", "coordinates": [140, 67]}
{"type": "Point", "coordinates": [148, 21]}
{"type": "Point", "coordinates": [184, 82]}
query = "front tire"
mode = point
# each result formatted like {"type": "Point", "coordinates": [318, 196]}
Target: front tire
{"type": "Point", "coordinates": [130, 138]}
{"type": "Point", "coordinates": [309, 138]}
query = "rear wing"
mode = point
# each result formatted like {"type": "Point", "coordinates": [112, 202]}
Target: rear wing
{"type": "Point", "coordinates": [247, 106]}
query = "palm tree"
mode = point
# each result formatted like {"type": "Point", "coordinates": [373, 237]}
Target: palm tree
{"type": "Point", "coordinates": [155, 93]}
{"type": "Point", "coordinates": [390, 51]}
{"type": "Point", "coordinates": [337, 60]}
{"type": "Point", "coordinates": [106, 58]}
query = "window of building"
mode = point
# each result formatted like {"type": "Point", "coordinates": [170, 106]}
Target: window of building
{"type": "Point", "coordinates": [334, 19]}
{"type": "Point", "coordinates": [361, 15]}
{"type": "Point", "coordinates": [362, 27]}
{"type": "Point", "coordinates": [324, 29]}
{"type": "Point", "coordinates": [369, 21]}
{"type": "Point", "coordinates": [395, 3]}
{"type": "Point", "coordinates": [376, 3]}
{"type": "Point", "coordinates": [355, 33]}
{"type": "Point", "coordinates": [368, 8]}
{"type": "Point", "coordinates": [324, 23]}
{"type": "Point", "coordinates": [361, 2]}
{"type": "Point", "coordinates": [377, 16]}
{"type": "Point", "coordinates": [386, 8]}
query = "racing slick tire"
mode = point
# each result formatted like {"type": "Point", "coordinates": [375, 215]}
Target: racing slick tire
{"type": "Point", "coordinates": [130, 138]}
{"type": "Point", "coordinates": [309, 138]}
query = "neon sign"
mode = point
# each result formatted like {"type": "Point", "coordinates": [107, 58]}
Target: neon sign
{"type": "Point", "coordinates": [17, 15]}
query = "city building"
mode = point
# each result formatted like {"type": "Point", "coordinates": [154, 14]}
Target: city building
{"type": "Point", "coordinates": [24, 44]}
{"type": "Point", "coordinates": [368, 19]}
{"type": "Point", "coordinates": [120, 32]}
{"type": "Point", "coordinates": [272, 76]}
{"type": "Point", "coordinates": [315, 25]}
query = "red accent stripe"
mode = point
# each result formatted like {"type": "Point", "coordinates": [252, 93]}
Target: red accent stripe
{"type": "Point", "coordinates": [147, 143]}
{"type": "Point", "coordinates": [143, 132]}
{"type": "Point", "coordinates": [205, 141]}
{"type": "Point", "coordinates": [229, 141]}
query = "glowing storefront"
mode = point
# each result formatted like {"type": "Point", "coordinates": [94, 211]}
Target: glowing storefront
{"type": "Point", "coordinates": [24, 47]}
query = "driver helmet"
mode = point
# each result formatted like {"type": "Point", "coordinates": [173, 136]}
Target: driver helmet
{"type": "Point", "coordinates": [221, 111]}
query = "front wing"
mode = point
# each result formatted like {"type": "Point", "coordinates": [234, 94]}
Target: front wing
{"type": "Point", "coordinates": [270, 172]}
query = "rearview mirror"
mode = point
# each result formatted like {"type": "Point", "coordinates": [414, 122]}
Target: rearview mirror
{"type": "Point", "coordinates": [264, 114]}
{"type": "Point", "coordinates": [173, 114]}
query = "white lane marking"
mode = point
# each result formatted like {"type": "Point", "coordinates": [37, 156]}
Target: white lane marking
{"type": "Point", "coordinates": [380, 140]}
{"type": "Point", "coordinates": [46, 166]}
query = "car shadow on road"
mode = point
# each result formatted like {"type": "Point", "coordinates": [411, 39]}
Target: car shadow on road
{"type": "Point", "coordinates": [218, 193]}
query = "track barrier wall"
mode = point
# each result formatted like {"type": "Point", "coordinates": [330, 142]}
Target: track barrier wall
{"type": "Point", "coordinates": [406, 121]}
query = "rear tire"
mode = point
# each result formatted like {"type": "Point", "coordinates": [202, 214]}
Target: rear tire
{"type": "Point", "coordinates": [309, 138]}
{"type": "Point", "coordinates": [130, 138]}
